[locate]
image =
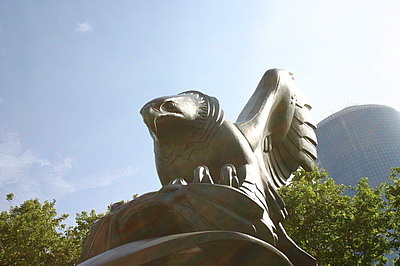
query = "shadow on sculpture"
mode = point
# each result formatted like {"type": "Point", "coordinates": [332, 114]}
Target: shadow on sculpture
{"type": "Point", "coordinates": [219, 203]}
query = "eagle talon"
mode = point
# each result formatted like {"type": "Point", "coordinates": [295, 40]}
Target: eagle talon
{"type": "Point", "coordinates": [202, 175]}
{"type": "Point", "coordinates": [178, 181]}
{"type": "Point", "coordinates": [229, 176]}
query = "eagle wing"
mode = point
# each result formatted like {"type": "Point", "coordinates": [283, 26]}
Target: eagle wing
{"type": "Point", "coordinates": [276, 122]}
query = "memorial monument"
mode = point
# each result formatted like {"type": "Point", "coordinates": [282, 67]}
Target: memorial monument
{"type": "Point", "coordinates": [218, 204]}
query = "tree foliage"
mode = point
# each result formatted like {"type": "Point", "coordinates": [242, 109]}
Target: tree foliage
{"type": "Point", "coordinates": [34, 234]}
{"type": "Point", "coordinates": [393, 197]}
{"type": "Point", "coordinates": [339, 229]}
{"type": "Point", "coordinates": [77, 234]}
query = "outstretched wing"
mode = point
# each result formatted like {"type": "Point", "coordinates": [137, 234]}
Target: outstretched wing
{"type": "Point", "coordinates": [277, 125]}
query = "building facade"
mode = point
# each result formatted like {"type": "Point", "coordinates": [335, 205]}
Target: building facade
{"type": "Point", "coordinates": [360, 141]}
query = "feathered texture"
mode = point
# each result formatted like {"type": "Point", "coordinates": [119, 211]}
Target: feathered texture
{"type": "Point", "coordinates": [209, 112]}
{"type": "Point", "coordinates": [277, 124]}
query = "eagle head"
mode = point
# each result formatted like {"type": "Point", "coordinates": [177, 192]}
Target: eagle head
{"type": "Point", "coordinates": [187, 115]}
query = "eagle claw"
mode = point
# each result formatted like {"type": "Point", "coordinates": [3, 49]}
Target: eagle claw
{"type": "Point", "coordinates": [229, 176]}
{"type": "Point", "coordinates": [178, 181]}
{"type": "Point", "coordinates": [202, 175]}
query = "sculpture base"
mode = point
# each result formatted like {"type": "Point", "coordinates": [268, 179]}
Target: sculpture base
{"type": "Point", "coordinates": [196, 248]}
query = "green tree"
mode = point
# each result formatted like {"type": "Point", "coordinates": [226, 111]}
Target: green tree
{"type": "Point", "coordinates": [335, 228]}
{"type": "Point", "coordinates": [31, 234]}
{"type": "Point", "coordinates": [34, 234]}
{"type": "Point", "coordinates": [393, 198]}
{"type": "Point", "coordinates": [77, 234]}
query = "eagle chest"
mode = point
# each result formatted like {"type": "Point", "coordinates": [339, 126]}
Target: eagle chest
{"type": "Point", "coordinates": [180, 163]}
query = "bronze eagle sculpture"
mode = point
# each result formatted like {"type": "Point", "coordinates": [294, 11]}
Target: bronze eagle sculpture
{"type": "Point", "coordinates": [271, 138]}
{"type": "Point", "coordinates": [220, 182]}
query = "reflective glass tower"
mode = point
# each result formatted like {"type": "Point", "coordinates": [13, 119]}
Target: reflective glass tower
{"type": "Point", "coordinates": [360, 141]}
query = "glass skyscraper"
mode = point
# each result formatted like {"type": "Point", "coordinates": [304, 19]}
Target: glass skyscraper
{"type": "Point", "coordinates": [360, 141]}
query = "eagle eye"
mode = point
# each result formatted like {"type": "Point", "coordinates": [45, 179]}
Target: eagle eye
{"type": "Point", "coordinates": [170, 106]}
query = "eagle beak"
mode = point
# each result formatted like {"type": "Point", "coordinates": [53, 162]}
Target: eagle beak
{"type": "Point", "coordinates": [150, 114]}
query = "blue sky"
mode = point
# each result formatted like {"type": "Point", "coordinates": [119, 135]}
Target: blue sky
{"type": "Point", "coordinates": [74, 75]}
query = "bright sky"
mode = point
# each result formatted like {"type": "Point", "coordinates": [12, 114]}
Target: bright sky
{"type": "Point", "coordinates": [74, 75]}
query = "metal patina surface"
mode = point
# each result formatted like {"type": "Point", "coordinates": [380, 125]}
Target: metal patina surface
{"type": "Point", "coordinates": [216, 175]}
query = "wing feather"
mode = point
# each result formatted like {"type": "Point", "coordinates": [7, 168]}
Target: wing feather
{"type": "Point", "coordinates": [286, 157]}
{"type": "Point", "coordinates": [284, 169]}
{"type": "Point", "coordinates": [278, 118]}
